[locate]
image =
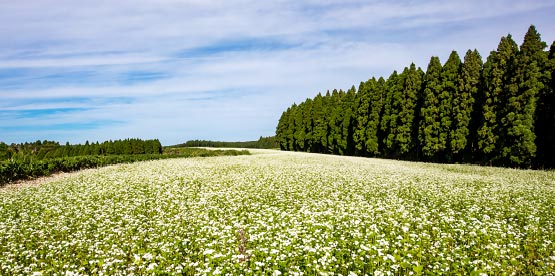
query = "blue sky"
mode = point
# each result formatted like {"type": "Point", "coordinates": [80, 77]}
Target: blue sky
{"type": "Point", "coordinates": [219, 70]}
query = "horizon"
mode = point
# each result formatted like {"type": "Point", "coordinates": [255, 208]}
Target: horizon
{"type": "Point", "coordinates": [187, 70]}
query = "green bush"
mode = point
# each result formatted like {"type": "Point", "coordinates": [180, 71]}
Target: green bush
{"type": "Point", "coordinates": [26, 168]}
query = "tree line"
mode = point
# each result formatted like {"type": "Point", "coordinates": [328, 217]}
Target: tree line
{"type": "Point", "coordinates": [269, 142]}
{"type": "Point", "coordinates": [40, 150]}
{"type": "Point", "coordinates": [498, 112]}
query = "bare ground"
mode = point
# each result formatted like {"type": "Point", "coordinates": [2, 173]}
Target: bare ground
{"type": "Point", "coordinates": [37, 181]}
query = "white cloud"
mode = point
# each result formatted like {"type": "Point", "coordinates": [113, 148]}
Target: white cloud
{"type": "Point", "coordinates": [226, 95]}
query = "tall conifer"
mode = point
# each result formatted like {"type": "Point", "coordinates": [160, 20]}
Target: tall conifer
{"type": "Point", "coordinates": [377, 99]}
{"type": "Point", "coordinates": [346, 145]}
{"type": "Point", "coordinates": [361, 116]}
{"type": "Point", "coordinates": [290, 132]}
{"type": "Point", "coordinates": [518, 122]}
{"type": "Point", "coordinates": [319, 129]}
{"type": "Point", "coordinates": [449, 80]}
{"type": "Point", "coordinates": [497, 76]}
{"type": "Point", "coordinates": [408, 96]}
{"type": "Point", "coordinates": [389, 119]}
{"type": "Point", "coordinates": [463, 100]}
{"type": "Point", "coordinates": [430, 123]}
{"type": "Point", "coordinates": [546, 116]}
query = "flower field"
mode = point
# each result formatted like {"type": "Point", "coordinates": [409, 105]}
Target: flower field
{"type": "Point", "coordinates": [282, 213]}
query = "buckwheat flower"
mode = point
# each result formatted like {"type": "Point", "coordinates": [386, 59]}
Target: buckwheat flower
{"type": "Point", "coordinates": [151, 266]}
{"type": "Point", "coordinates": [208, 251]}
{"type": "Point", "coordinates": [148, 256]}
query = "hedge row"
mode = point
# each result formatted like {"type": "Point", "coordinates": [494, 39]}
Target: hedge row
{"type": "Point", "coordinates": [16, 169]}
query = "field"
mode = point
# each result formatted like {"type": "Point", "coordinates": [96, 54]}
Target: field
{"type": "Point", "coordinates": [282, 213]}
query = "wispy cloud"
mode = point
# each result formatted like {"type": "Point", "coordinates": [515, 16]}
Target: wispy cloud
{"type": "Point", "coordinates": [185, 69]}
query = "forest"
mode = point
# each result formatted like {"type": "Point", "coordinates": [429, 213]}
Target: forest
{"type": "Point", "coordinates": [499, 112]}
{"type": "Point", "coordinates": [262, 143]}
{"type": "Point", "coordinates": [40, 150]}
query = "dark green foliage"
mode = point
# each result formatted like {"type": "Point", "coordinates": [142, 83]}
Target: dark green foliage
{"type": "Point", "coordinates": [377, 99]}
{"type": "Point", "coordinates": [361, 116]}
{"type": "Point", "coordinates": [389, 120]}
{"type": "Point", "coordinates": [497, 76]}
{"type": "Point", "coordinates": [437, 111]}
{"type": "Point", "coordinates": [487, 113]}
{"type": "Point", "coordinates": [299, 132]}
{"type": "Point", "coordinates": [409, 94]}
{"type": "Point", "coordinates": [48, 149]}
{"type": "Point", "coordinates": [346, 144]}
{"type": "Point", "coordinates": [464, 101]}
{"type": "Point", "coordinates": [319, 129]}
{"type": "Point", "coordinates": [518, 122]}
{"type": "Point", "coordinates": [335, 119]}
{"type": "Point", "coordinates": [430, 123]}
{"type": "Point", "coordinates": [270, 142]}
{"type": "Point", "coordinates": [4, 151]}
{"type": "Point", "coordinates": [290, 132]}
{"type": "Point", "coordinates": [281, 131]}
{"type": "Point", "coordinates": [449, 79]}
{"type": "Point", "coordinates": [368, 107]}
{"type": "Point", "coordinates": [307, 125]}
{"type": "Point", "coordinates": [545, 122]}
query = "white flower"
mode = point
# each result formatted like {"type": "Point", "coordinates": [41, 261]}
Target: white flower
{"type": "Point", "coordinates": [151, 266]}
{"type": "Point", "coordinates": [208, 251]}
{"type": "Point", "coordinates": [148, 256]}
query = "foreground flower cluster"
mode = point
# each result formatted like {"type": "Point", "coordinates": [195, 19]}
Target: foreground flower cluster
{"type": "Point", "coordinates": [282, 213]}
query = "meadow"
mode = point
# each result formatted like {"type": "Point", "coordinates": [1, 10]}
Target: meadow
{"type": "Point", "coordinates": [281, 213]}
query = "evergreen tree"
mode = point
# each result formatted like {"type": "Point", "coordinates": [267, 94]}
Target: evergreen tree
{"type": "Point", "coordinates": [361, 116]}
{"type": "Point", "coordinates": [86, 149]}
{"type": "Point", "coordinates": [546, 115]}
{"type": "Point", "coordinates": [430, 123]}
{"type": "Point", "coordinates": [319, 130]}
{"type": "Point", "coordinates": [389, 119]}
{"type": "Point", "coordinates": [308, 124]}
{"type": "Point", "coordinates": [334, 121]}
{"type": "Point", "coordinates": [545, 122]}
{"type": "Point", "coordinates": [126, 145]}
{"type": "Point", "coordinates": [377, 99]}
{"type": "Point", "coordinates": [158, 146]}
{"type": "Point", "coordinates": [327, 107]}
{"type": "Point", "coordinates": [464, 105]}
{"type": "Point", "coordinates": [518, 123]}
{"type": "Point", "coordinates": [497, 75]}
{"type": "Point", "coordinates": [4, 152]}
{"type": "Point", "coordinates": [449, 80]}
{"type": "Point", "coordinates": [291, 128]}
{"type": "Point", "coordinates": [281, 130]}
{"type": "Point", "coordinates": [110, 148]}
{"type": "Point", "coordinates": [346, 144]}
{"type": "Point", "coordinates": [460, 111]}
{"type": "Point", "coordinates": [411, 81]}
{"type": "Point", "coordinates": [299, 132]}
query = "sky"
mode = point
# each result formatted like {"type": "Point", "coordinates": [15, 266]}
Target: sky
{"type": "Point", "coordinates": [178, 70]}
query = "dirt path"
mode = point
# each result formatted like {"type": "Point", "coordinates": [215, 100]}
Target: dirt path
{"type": "Point", "coordinates": [41, 180]}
